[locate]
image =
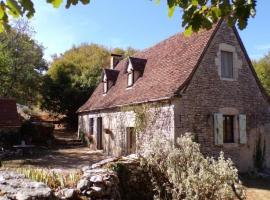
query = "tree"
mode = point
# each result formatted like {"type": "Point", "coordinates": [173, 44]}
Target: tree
{"type": "Point", "coordinates": [262, 68]}
{"type": "Point", "coordinates": [196, 14]}
{"type": "Point", "coordinates": [72, 78]}
{"type": "Point", "coordinates": [21, 64]}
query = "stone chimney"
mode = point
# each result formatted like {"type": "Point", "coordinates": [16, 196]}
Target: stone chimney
{"type": "Point", "coordinates": [115, 59]}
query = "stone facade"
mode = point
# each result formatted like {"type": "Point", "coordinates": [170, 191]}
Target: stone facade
{"type": "Point", "coordinates": [208, 93]}
{"type": "Point", "coordinates": [115, 123]}
{"type": "Point", "coordinates": [193, 108]}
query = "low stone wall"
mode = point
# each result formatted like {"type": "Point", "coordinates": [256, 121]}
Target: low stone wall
{"type": "Point", "coordinates": [116, 178]}
{"type": "Point", "coordinates": [16, 187]}
{"type": "Point", "coordinates": [119, 178]}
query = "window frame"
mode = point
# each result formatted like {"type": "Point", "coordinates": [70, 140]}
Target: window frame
{"type": "Point", "coordinates": [105, 83]}
{"type": "Point", "coordinates": [228, 123]}
{"type": "Point", "coordinates": [132, 80]}
{"type": "Point", "coordinates": [231, 69]}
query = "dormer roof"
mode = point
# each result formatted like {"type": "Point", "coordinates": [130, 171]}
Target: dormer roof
{"type": "Point", "coordinates": [137, 64]}
{"type": "Point", "coordinates": [110, 74]}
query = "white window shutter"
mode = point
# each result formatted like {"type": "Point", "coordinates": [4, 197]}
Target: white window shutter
{"type": "Point", "coordinates": [218, 128]}
{"type": "Point", "coordinates": [242, 128]}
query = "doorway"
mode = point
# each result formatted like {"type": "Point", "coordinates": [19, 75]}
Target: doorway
{"type": "Point", "coordinates": [131, 140]}
{"type": "Point", "coordinates": [99, 133]}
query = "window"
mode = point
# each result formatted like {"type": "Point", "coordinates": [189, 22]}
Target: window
{"type": "Point", "coordinates": [105, 87]}
{"type": "Point", "coordinates": [228, 128]}
{"type": "Point", "coordinates": [91, 126]}
{"type": "Point", "coordinates": [130, 79]}
{"type": "Point", "coordinates": [226, 64]}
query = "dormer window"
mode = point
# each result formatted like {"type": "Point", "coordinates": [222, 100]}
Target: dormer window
{"type": "Point", "coordinates": [109, 77]}
{"type": "Point", "coordinates": [135, 69]}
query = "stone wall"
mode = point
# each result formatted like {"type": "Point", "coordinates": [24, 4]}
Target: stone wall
{"type": "Point", "coordinates": [159, 116]}
{"type": "Point", "coordinates": [208, 93]}
{"type": "Point", "coordinates": [16, 187]}
{"type": "Point", "coordinates": [116, 178]}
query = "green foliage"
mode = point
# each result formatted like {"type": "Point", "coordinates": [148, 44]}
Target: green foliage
{"type": "Point", "coordinates": [21, 64]}
{"type": "Point", "coordinates": [72, 78]}
{"type": "Point", "coordinates": [142, 116]}
{"type": "Point", "coordinates": [259, 153]}
{"type": "Point", "coordinates": [262, 68]}
{"type": "Point", "coordinates": [196, 13]}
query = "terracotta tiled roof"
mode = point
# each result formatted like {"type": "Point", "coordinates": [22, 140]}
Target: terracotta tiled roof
{"type": "Point", "coordinates": [169, 65]}
{"type": "Point", "coordinates": [8, 113]}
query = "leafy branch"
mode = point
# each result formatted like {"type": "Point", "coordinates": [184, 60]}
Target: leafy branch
{"type": "Point", "coordinates": [196, 15]}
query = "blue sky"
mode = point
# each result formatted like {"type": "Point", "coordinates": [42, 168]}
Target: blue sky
{"type": "Point", "coordinates": [123, 23]}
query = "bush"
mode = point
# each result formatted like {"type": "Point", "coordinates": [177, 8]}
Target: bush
{"type": "Point", "coordinates": [182, 172]}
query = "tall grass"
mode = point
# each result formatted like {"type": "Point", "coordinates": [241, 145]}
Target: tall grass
{"type": "Point", "coordinates": [53, 179]}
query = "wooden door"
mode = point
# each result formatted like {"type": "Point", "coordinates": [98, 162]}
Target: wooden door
{"type": "Point", "coordinates": [131, 140]}
{"type": "Point", "coordinates": [99, 133]}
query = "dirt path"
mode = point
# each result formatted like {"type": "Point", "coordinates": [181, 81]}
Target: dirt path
{"type": "Point", "coordinates": [67, 153]}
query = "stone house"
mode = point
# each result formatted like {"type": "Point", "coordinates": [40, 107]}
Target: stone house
{"type": "Point", "coordinates": [204, 84]}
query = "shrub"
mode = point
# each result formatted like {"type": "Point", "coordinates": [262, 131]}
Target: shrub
{"type": "Point", "coordinates": [182, 172]}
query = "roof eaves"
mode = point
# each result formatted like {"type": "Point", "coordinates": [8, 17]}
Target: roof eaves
{"type": "Point", "coordinates": [129, 104]}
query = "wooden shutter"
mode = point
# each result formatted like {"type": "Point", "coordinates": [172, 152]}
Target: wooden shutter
{"type": "Point", "coordinates": [218, 128]}
{"type": "Point", "coordinates": [242, 128]}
